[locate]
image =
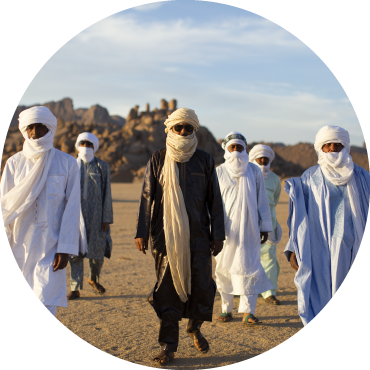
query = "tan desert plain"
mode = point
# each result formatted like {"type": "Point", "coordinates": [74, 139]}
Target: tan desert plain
{"type": "Point", "coordinates": [123, 324]}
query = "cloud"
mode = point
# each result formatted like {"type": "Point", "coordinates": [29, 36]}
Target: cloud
{"type": "Point", "coordinates": [209, 66]}
{"type": "Point", "coordinates": [148, 7]}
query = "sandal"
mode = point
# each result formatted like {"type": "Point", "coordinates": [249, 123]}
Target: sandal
{"type": "Point", "coordinates": [164, 357]}
{"type": "Point", "coordinates": [225, 317]}
{"type": "Point", "coordinates": [272, 300]}
{"type": "Point", "coordinates": [200, 343]}
{"type": "Point", "coordinates": [99, 288]}
{"type": "Point", "coordinates": [73, 295]}
{"type": "Point", "coordinates": [251, 316]}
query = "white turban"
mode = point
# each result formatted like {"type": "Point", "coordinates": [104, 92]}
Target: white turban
{"type": "Point", "coordinates": [182, 115]}
{"type": "Point", "coordinates": [259, 151]}
{"type": "Point", "coordinates": [37, 114]}
{"type": "Point", "coordinates": [332, 134]}
{"type": "Point", "coordinates": [235, 162]}
{"type": "Point", "coordinates": [89, 137]}
{"type": "Point", "coordinates": [84, 153]}
{"type": "Point", "coordinates": [234, 137]}
{"type": "Point", "coordinates": [33, 149]}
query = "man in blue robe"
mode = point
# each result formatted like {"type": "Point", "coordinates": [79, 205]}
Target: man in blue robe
{"type": "Point", "coordinates": [327, 216]}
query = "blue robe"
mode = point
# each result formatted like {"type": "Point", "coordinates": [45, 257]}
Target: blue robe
{"type": "Point", "coordinates": [322, 236]}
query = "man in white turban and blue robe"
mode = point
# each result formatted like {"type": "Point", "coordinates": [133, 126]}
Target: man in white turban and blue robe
{"type": "Point", "coordinates": [262, 156]}
{"type": "Point", "coordinates": [40, 202]}
{"type": "Point", "coordinates": [328, 211]}
{"type": "Point", "coordinates": [96, 215]}
{"type": "Point", "coordinates": [247, 221]}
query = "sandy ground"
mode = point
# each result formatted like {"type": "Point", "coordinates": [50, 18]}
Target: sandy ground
{"type": "Point", "coordinates": [123, 324]}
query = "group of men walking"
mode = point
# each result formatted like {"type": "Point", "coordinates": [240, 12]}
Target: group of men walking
{"type": "Point", "coordinates": [58, 209]}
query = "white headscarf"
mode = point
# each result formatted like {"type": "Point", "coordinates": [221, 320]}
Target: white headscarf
{"type": "Point", "coordinates": [87, 155]}
{"type": "Point", "coordinates": [235, 162]}
{"type": "Point", "coordinates": [175, 218]}
{"type": "Point", "coordinates": [259, 151]}
{"type": "Point", "coordinates": [39, 154]}
{"type": "Point", "coordinates": [338, 168]}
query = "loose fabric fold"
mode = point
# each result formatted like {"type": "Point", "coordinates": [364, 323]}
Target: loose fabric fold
{"type": "Point", "coordinates": [175, 218]}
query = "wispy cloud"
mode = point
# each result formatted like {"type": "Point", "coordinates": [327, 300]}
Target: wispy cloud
{"type": "Point", "coordinates": [148, 7]}
{"type": "Point", "coordinates": [236, 72]}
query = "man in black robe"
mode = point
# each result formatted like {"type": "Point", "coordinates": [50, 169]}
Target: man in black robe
{"type": "Point", "coordinates": [195, 186]}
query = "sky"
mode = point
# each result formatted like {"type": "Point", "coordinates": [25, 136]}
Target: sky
{"type": "Point", "coordinates": [237, 70]}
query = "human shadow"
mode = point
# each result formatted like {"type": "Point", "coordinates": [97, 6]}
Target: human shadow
{"type": "Point", "coordinates": [125, 201]}
{"type": "Point", "coordinates": [105, 297]}
{"type": "Point", "coordinates": [207, 362]}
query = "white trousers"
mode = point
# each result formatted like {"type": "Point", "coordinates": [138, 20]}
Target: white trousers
{"type": "Point", "coordinates": [52, 309]}
{"type": "Point", "coordinates": [247, 303]}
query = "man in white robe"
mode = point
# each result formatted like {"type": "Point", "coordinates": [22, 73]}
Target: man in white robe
{"type": "Point", "coordinates": [328, 210]}
{"type": "Point", "coordinates": [247, 221]}
{"type": "Point", "coordinates": [40, 192]}
{"type": "Point", "coordinates": [262, 156]}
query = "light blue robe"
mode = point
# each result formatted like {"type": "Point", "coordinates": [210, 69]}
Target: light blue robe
{"type": "Point", "coordinates": [321, 234]}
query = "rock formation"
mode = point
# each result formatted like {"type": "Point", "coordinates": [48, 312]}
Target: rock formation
{"type": "Point", "coordinates": [127, 145]}
{"type": "Point", "coordinates": [64, 110]}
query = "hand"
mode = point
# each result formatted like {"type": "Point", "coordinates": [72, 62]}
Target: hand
{"type": "Point", "coordinates": [104, 226]}
{"type": "Point", "coordinates": [60, 261]}
{"type": "Point", "coordinates": [141, 244]}
{"type": "Point", "coordinates": [264, 236]}
{"type": "Point", "coordinates": [216, 247]}
{"type": "Point", "coordinates": [293, 261]}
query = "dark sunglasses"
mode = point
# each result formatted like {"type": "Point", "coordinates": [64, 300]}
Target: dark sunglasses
{"type": "Point", "coordinates": [188, 128]}
{"type": "Point", "coordinates": [85, 142]}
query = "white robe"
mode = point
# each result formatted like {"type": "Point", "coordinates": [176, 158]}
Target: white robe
{"type": "Point", "coordinates": [50, 225]}
{"type": "Point", "coordinates": [256, 280]}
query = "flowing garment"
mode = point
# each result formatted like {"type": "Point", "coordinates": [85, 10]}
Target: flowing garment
{"type": "Point", "coordinates": [322, 234]}
{"type": "Point", "coordinates": [245, 276]}
{"type": "Point", "coordinates": [268, 250]}
{"type": "Point", "coordinates": [49, 225]}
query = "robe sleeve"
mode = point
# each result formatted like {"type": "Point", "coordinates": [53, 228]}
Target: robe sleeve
{"type": "Point", "coordinates": [263, 205]}
{"type": "Point", "coordinates": [146, 200]}
{"type": "Point", "coordinates": [107, 197]}
{"type": "Point", "coordinates": [7, 184]}
{"type": "Point", "coordinates": [7, 179]}
{"type": "Point", "coordinates": [214, 204]}
{"type": "Point", "coordinates": [70, 226]}
{"type": "Point", "coordinates": [277, 192]}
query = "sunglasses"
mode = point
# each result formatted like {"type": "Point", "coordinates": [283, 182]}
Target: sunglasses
{"type": "Point", "coordinates": [188, 128]}
{"type": "Point", "coordinates": [85, 142]}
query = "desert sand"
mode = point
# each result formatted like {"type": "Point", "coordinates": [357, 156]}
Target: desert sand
{"type": "Point", "coordinates": [123, 324]}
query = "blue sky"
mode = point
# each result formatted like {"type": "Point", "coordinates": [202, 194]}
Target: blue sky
{"type": "Point", "coordinates": [237, 70]}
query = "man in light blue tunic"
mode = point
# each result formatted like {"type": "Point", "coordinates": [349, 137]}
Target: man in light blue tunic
{"type": "Point", "coordinates": [262, 156]}
{"type": "Point", "coordinates": [327, 217]}
{"type": "Point", "coordinates": [247, 221]}
{"type": "Point", "coordinates": [96, 215]}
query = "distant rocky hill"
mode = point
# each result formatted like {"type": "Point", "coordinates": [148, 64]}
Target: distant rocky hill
{"type": "Point", "coordinates": [126, 148]}
{"type": "Point", "coordinates": [64, 111]}
{"type": "Point", "coordinates": [127, 144]}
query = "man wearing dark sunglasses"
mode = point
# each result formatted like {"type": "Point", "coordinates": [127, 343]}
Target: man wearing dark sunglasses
{"type": "Point", "coordinates": [186, 226]}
